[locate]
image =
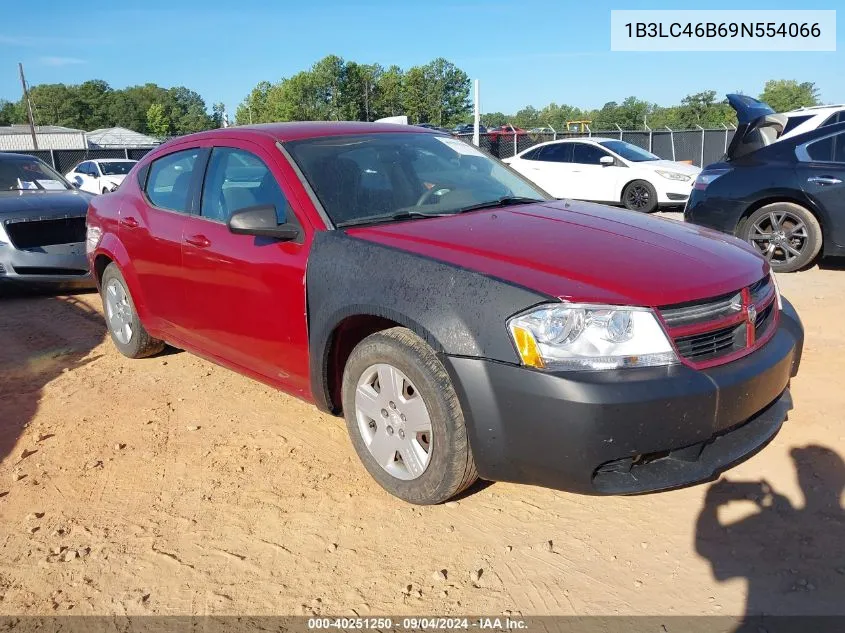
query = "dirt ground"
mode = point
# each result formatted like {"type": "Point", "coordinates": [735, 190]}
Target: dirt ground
{"type": "Point", "coordinates": [173, 486]}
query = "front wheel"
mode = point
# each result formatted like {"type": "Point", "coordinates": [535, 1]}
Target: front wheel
{"type": "Point", "coordinates": [640, 195]}
{"type": "Point", "coordinates": [785, 233]}
{"type": "Point", "coordinates": [404, 418]}
{"type": "Point", "coordinates": [127, 332]}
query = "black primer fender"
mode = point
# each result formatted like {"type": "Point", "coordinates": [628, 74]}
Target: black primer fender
{"type": "Point", "coordinates": [459, 312]}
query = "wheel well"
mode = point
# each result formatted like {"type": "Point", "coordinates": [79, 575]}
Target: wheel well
{"type": "Point", "coordinates": [346, 335]}
{"type": "Point", "coordinates": [762, 203]}
{"type": "Point", "coordinates": [100, 263]}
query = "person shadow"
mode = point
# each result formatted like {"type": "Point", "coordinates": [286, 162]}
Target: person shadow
{"type": "Point", "coordinates": [792, 558]}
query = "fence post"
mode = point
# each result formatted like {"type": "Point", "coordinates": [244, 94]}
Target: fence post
{"type": "Point", "coordinates": [650, 138]}
{"type": "Point", "coordinates": [554, 132]}
{"type": "Point", "coordinates": [620, 130]}
{"type": "Point", "coordinates": [126, 152]}
{"type": "Point", "coordinates": [726, 137]}
{"type": "Point", "coordinates": [701, 160]}
{"type": "Point", "coordinates": [53, 158]}
{"type": "Point", "coordinates": [672, 139]}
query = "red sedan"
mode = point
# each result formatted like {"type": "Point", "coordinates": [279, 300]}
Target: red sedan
{"type": "Point", "coordinates": [464, 323]}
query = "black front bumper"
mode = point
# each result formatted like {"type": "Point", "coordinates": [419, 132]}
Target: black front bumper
{"type": "Point", "coordinates": [626, 431]}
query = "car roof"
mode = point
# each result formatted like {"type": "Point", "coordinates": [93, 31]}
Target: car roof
{"type": "Point", "coordinates": [826, 109]}
{"type": "Point", "coordinates": [112, 160]}
{"type": "Point", "coordinates": [294, 131]}
{"type": "Point", "coordinates": [14, 156]}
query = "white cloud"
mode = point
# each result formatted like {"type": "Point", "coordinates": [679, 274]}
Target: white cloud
{"type": "Point", "coordinates": [60, 61]}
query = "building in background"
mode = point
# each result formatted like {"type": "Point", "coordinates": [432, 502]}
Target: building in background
{"type": "Point", "coordinates": [119, 137]}
{"type": "Point", "coordinates": [18, 138]}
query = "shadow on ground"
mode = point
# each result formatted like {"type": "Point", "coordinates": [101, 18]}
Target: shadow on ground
{"type": "Point", "coordinates": [42, 335]}
{"type": "Point", "coordinates": [792, 558]}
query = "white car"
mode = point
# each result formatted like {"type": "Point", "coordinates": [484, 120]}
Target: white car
{"type": "Point", "coordinates": [808, 119]}
{"type": "Point", "coordinates": [606, 170]}
{"type": "Point", "coordinates": [100, 176]}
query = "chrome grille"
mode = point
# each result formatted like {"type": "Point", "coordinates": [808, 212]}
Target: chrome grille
{"type": "Point", "coordinates": [713, 328]}
{"type": "Point", "coordinates": [702, 312]}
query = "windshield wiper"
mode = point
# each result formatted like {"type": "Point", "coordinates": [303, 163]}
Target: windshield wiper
{"type": "Point", "coordinates": [380, 219]}
{"type": "Point", "coordinates": [504, 201]}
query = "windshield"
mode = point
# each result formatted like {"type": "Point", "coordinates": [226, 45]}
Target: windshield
{"type": "Point", "coordinates": [21, 174]}
{"type": "Point", "coordinates": [116, 168]}
{"type": "Point", "coordinates": [628, 151]}
{"type": "Point", "coordinates": [379, 176]}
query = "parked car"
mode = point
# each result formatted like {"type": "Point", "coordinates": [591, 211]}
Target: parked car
{"type": "Point", "coordinates": [42, 224]}
{"type": "Point", "coordinates": [785, 197]}
{"type": "Point", "coordinates": [506, 132]}
{"type": "Point", "coordinates": [469, 128]}
{"type": "Point", "coordinates": [606, 170]}
{"type": "Point", "coordinates": [463, 322]}
{"type": "Point", "coordinates": [100, 176]}
{"type": "Point", "coordinates": [431, 126]}
{"type": "Point", "coordinates": [539, 131]}
{"type": "Point", "coordinates": [808, 119]}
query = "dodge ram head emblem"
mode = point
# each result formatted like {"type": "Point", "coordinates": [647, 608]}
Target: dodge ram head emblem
{"type": "Point", "coordinates": [752, 314]}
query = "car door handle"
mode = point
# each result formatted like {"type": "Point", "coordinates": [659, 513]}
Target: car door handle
{"type": "Point", "coordinates": [200, 241]}
{"type": "Point", "coordinates": [824, 180]}
{"type": "Point", "coordinates": [129, 222]}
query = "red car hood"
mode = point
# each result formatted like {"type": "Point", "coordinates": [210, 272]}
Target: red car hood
{"type": "Point", "coordinates": [583, 252]}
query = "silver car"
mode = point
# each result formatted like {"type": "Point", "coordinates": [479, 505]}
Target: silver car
{"type": "Point", "coordinates": [42, 224]}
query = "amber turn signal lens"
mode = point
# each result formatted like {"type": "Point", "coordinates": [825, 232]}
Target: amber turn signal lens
{"type": "Point", "coordinates": [527, 348]}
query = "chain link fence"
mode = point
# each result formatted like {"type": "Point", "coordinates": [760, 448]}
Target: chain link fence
{"type": "Point", "coordinates": [700, 147]}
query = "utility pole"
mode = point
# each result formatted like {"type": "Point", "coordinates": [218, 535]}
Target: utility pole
{"type": "Point", "coordinates": [28, 108]}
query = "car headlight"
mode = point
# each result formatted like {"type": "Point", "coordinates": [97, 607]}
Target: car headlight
{"type": "Point", "coordinates": [590, 337]}
{"type": "Point", "coordinates": [673, 175]}
{"type": "Point", "coordinates": [93, 234]}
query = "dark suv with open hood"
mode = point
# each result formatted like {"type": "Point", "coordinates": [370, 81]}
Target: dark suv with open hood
{"type": "Point", "coordinates": [784, 197]}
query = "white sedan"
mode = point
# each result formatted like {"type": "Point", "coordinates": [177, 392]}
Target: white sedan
{"type": "Point", "coordinates": [606, 170]}
{"type": "Point", "coordinates": [100, 176]}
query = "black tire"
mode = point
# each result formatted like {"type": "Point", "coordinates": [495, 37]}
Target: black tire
{"type": "Point", "coordinates": [105, 190]}
{"type": "Point", "coordinates": [640, 195]}
{"type": "Point", "coordinates": [140, 343]}
{"type": "Point", "coordinates": [796, 230]}
{"type": "Point", "coordinates": [451, 467]}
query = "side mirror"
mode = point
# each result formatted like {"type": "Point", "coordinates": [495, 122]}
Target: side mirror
{"type": "Point", "coordinates": [607, 161]}
{"type": "Point", "coordinates": [261, 221]}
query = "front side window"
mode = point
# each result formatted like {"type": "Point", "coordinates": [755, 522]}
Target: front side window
{"type": "Point", "coordinates": [236, 180]}
{"type": "Point", "coordinates": [827, 150]}
{"type": "Point", "coordinates": [629, 151]}
{"type": "Point", "coordinates": [836, 117]}
{"type": "Point", "coordinates": [587, 154]}
{"type": "Point", "coordinates": [22, 174]}
{"type": "Point", "coordinates": [374, 177]}
{"type": "Point", "coordinates": [169, 180]}
{"type": "Point", "coordinates": [557, 153]}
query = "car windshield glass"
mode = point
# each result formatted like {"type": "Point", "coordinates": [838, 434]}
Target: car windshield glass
{"type": "Point", "coordinates": [116, 168]}
{"type": "Point", "coordinates": [628, 151]}
{"type": "Point", "coordinates": [378, 177]}
{"type": "Point", "coordinates": [21, 174]}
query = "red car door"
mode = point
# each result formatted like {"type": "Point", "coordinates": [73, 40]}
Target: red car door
{"type": "Point", "coordinates": [244, 301]}
{"type": "Point", "coordinates": [150, 228]}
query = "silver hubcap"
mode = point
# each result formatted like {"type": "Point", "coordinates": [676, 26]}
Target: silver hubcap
{"type": "Point", "coordinates": [118, 311]}
{"type": "Point", "coordinates": [393, 421]}
{"type": "Point", "coordinates": [780, 237]}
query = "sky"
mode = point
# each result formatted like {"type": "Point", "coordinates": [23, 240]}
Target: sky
{"type": "Point", "coordinates": [525, 52]}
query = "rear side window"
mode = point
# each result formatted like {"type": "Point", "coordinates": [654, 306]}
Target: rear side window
{"type": "Point", "coordinates": [236, 180]}
{"type": "Point", "coordinates": [794, 121]}
{"type": "Point", "coordinates": [557, 153]}
{"type": "Point", "coordinates": [533, 154]}
{"type": "Point", "coordinates": [169, 181]}
{"type": "Point", "coordinates": [587, 154]}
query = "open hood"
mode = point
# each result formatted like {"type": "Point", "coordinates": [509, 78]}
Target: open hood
{"type": "Point", "coordinates": [757, 126]}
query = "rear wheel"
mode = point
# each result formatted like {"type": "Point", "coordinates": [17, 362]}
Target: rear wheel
{"type": "Point", "coordinates": [785, 233]}
{"type": "Point", "coordinates": [640, 195]}
{"type": "Point", "coordinates": [404, 418]}
{"type": "Point", "coordinates": [125, 328]}
{"type": "Point", "coordinates": [105, 190]}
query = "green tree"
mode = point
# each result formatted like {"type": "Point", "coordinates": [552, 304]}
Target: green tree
{"type": "Point", "coordinates": [10, 113]}
{"type": "Point", "coordinates": [158, 124]}
{"type": "Point", "coordinates": [787, 94]}
{"type": "Point", "coordinates": [389, 93]}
